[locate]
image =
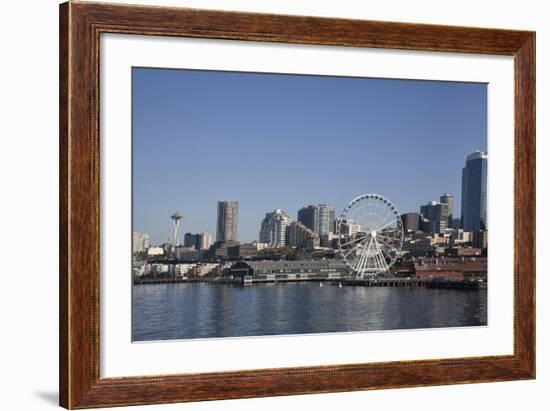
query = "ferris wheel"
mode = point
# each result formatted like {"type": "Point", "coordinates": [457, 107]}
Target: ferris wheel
{"type": "Point", "coordinates": [370, 235]}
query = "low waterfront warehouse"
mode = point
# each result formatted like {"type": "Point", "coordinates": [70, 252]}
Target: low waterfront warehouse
{"type": "Point", "coordinates": [298, 268]}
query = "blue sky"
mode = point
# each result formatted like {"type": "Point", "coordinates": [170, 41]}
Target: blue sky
{"type": "Point", "coordinates": [285, 141]}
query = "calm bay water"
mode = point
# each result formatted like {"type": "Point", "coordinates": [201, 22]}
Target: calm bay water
{"type": "Point", "coordinates": [178, 311]}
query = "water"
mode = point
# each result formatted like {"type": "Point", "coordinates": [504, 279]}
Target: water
{"type": "Point", "coordinates": [178, 311]}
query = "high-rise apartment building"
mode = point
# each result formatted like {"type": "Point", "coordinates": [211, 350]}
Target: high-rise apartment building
{"type": "Point", "coordinates": [200, 241]}
{"type": "Point", "coordinates": [298, 235]}
{"type": "Point", "coordinates": [206, 241]}
{"type": "Point", "coordinates": [309, 216]}
{"type": "Point", "coordinates": [411, 222]}
{"type": "Point", "coordinates": [435, 217]}
{"type": "Point", "coordinates": [449, 200]}
{"type": "Point", "coordinates": [191, 240]}
{"type": "Point", "coordinates": [326, 219]}
{"type": "Point", "coordinates": [228, 220]}
{"type": "Point", "coordinates": [319, 218]}
{"type": "Point", "coordinates": [140, 242]}
{"type": "Point", "coordinates": [479, 239]}
{"type": "Point", "coordinates": [273, 228]}
{"type": "Point", "coordinates": [474, 192]}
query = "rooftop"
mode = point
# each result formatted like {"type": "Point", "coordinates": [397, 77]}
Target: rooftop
{"type": "Point", "coordinates": [477, 155]}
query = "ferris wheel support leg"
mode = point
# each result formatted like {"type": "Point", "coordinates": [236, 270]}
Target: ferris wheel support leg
{"type": "Point", "coordinates": [383, 265]}
{"type": "Point", "coordinates": [363, 260]}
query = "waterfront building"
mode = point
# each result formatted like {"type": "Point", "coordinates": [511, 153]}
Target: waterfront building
{"type": "Point", "coordinates": [411, 222]}
{"type": "Point", "coordinates": [157, 268]}
{"type": "Point", "coordinates": [290, 269]}
{"type": "Point", "coordinates": [273, 228]}
{"type": "Point", "coordinates": [436, 215]}
{"type": "Point", "coordinates": [474, 192]}
{"type": "Point", "coordinates": [138, 266]}
{"type": "Point", "coordinates": [298, 235]}
{"type": "Point", "coordinates": [204, 269]}
{"type": "Point", "coordinates": [181, 270]}
{"type": "Point", "coordinates": [227, 222]}
{"type": "Point", "coordinates": [140, 242]}
{"type": "Point", "coordinates": [449, 200]}
{"type": "Point", "coordinates": [449, 267]}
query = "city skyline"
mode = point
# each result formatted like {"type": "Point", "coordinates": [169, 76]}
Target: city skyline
{"type": "Point", "coordinates": [296, 159]}
{"type": "Point", "coordinates": [436, 221]}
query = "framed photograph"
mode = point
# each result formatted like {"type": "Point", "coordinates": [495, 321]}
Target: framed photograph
{"type": "Point", "coordinates": [259, 205]}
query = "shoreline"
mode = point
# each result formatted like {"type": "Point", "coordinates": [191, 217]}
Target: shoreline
{"type": "Point", "coordinates": [432, 283]}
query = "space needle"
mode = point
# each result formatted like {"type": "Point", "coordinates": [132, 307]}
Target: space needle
{"type": "Point", "coordinates": [176, 217]}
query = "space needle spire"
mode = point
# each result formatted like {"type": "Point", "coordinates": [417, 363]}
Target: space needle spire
{"type": "Point", "coordinates": [176, 217]}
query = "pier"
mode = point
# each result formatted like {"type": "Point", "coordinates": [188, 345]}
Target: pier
{"type": "Point", "coordinates": [216, 281]}
{"type": "Point", "coordinates": [432, 283]}
{"type": "Point", "coordinates": [384, 282]}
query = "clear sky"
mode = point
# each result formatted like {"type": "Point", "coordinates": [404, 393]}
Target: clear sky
{"type": "Point", "coordinates": [285, 141]}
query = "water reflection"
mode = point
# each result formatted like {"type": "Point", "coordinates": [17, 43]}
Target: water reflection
{"type": "Point", "coordinates": [178, 311]}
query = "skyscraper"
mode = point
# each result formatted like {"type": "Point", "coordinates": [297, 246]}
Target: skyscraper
{"type": "Point", "coordinates": [326, 219]}
{"type": "Point", "coordinates": [449, 200]}
{"type": "Point", "coordinates": [200, 241]}
{"type": "Point", "coordinates": [436, 215]}
{"type": "Point", "coordinates": [206, 241]}
{"type": "Point", "coordinates": [309, 216]}
{"type": "Point", "coordinates": [318, 218]}
{"type": "Point", "coordinates": [227, 224]}
{"type": "Point", "coordinates": [298, 235]}
{"type": "Point", "coordinates": [273, 228]}
{"type": "Point", "coordinates": [474, 192]}
{"type": "Point", "coordinates": [140, 242]}
{"type": "Point", "coordinates": [479, 239]}
{"type": "Point", "coordinates": [191, 240]}
{"type": "Point", "coordinates": [411, 222]}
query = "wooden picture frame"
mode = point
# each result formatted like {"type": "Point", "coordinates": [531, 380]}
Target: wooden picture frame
{"type": "Point", "coordinates": [81, 24]}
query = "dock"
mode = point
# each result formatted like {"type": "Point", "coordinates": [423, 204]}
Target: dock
{"type": "Point", "coordinates": [432, 283]}
{"type": "Point", "coordinates": [383, 282]}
